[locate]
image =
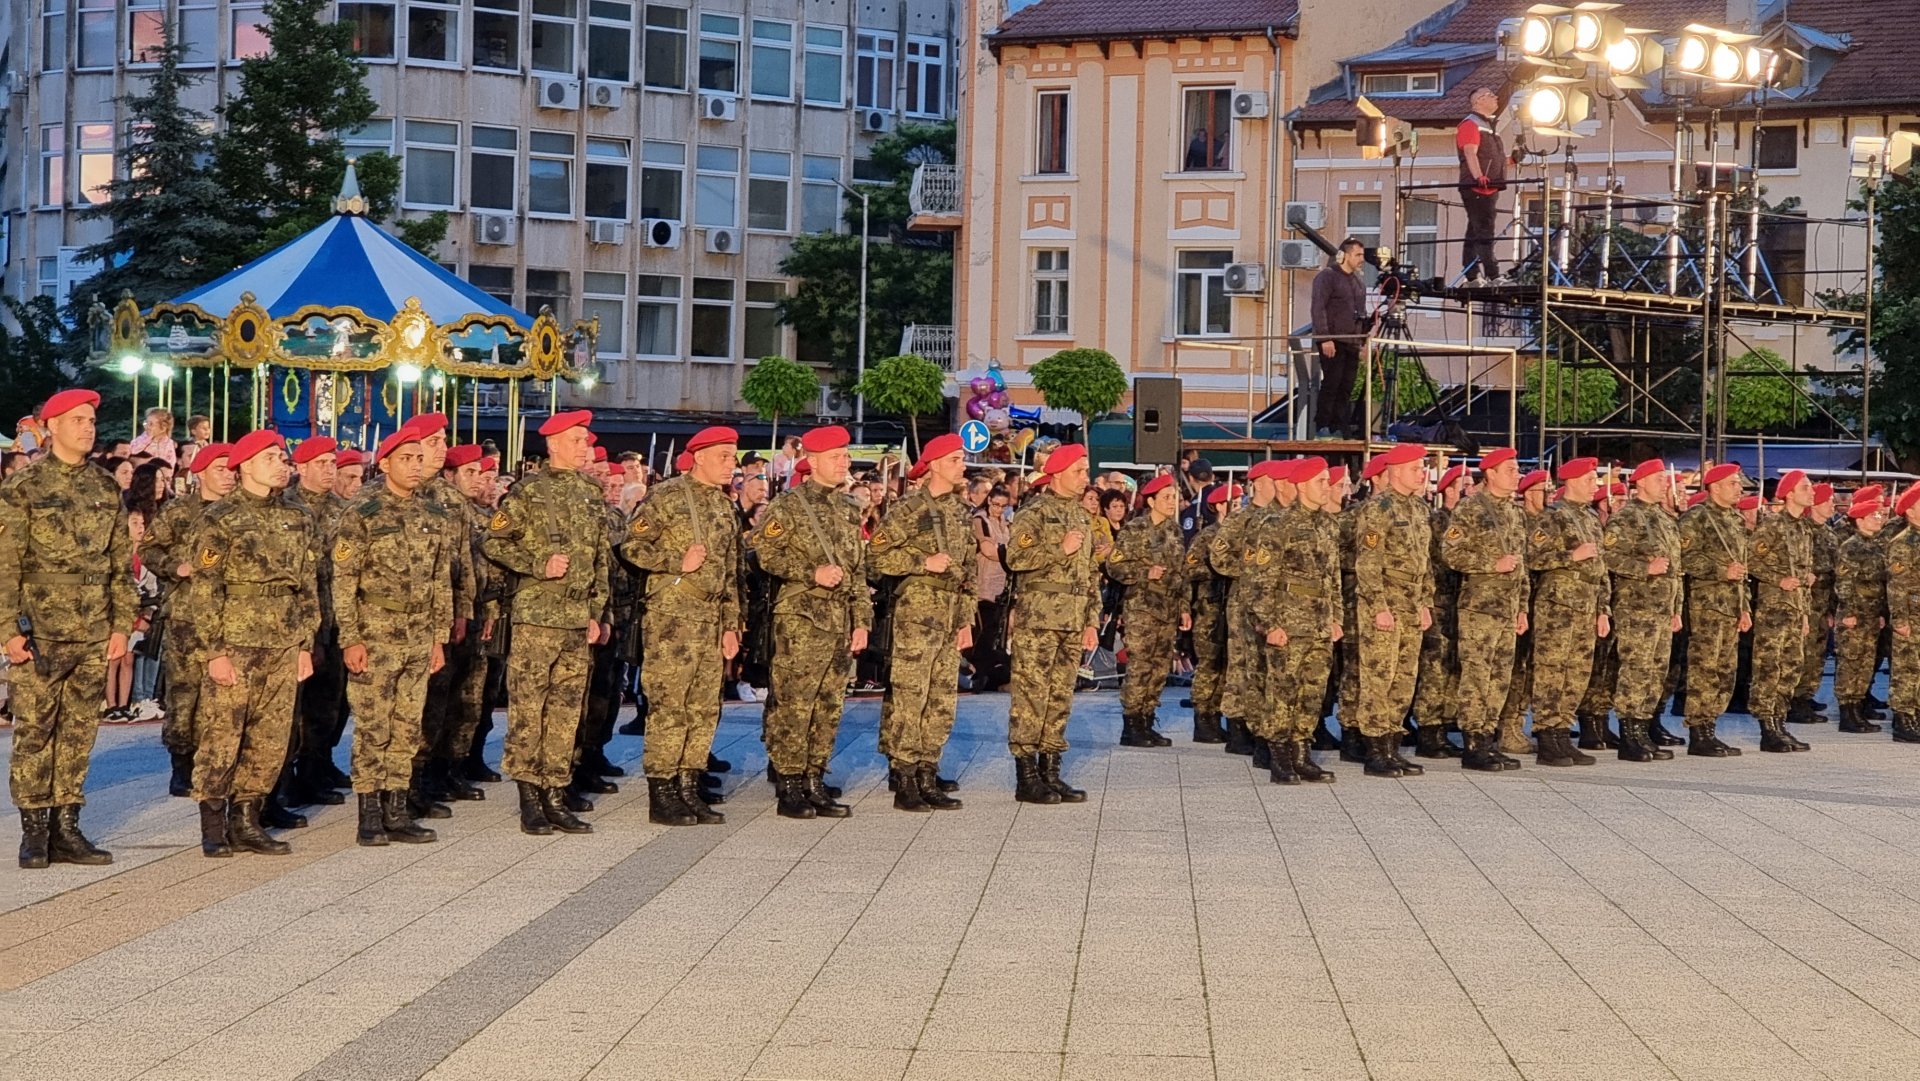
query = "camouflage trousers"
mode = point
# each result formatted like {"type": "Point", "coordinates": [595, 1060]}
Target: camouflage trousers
{"type": "Point", "coordinates": [546, 683]}
{"type": "Point", "coordinates": [55, 719]}
{"type": "Point", "coordinates": [1296, 686]}
{"type": "Point", "coordinates": [322, 701]}
{"type": "Point", "coordinates": [1856, 658]}
{"type": "Point", "coordinates": [1780, 637]}
{"type": "Point", "coordinates": [1045, 666]}
{"type": "Point", "coordinates": [184, 666]}
{"type": "Point", "coordinates": [1348, 692]}
{"type": "Point", "coordinates": [1388, 662]}
{"type": "Point", "coordinates": [1487, 643]}
{"type": "Point", "coordinates": [1713, 662]}
{"type": "Point", "coordinates": [1436, 700]}
{"type": "Point", "coordinates": [1209, 658]}
{"type": "Point", "coordinates": [1513, 711]}
{"type": "Point", "coordinates": [1247, 660]}
{"type": "Point", "coordinates": [1598, 700]}
{"type": "Point", "coordinates": [1642, 645]}
{"type": "Point", "coordinates": [923, 679]}
{"type": "Point", "coordinates": [244, 729]}
{"type": "Point", "coordinates": [1150, 648]}
{"type": "Point", "coordinates": [809, 679]}
{"type": "Point", "coordinates": [388, 701]}
{"type": "Point", "coordinates": [1816, 651]}
{"type": "Point", "coordinates": [681, 678]}
{"type": "Point", "coordinates": [440, 707]}
{"type": "Point", "coordinates": [1903, 675]}
{"type": "Point", "coordinates": [1562, 664]}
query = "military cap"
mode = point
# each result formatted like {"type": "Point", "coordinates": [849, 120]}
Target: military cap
{"type": "Point", "coordinates": [1751, 502]}
{"type": "Point", "coordinates": [684, 462]}
{"type": "Point", "coordinates": [66, 401]}
{"type": "Point", "coordinates": [462, 454]}
{"type": "Point", "coordinates": [407, 434]}
{"type": "Point", "coordinates": [309, 449]}
{"type": "Point", "coordinates": [1533, 479]}
{"type": "Point", "coordinates": [1822, 493]}
{"type": "Point", "coordinates": [1616, 489]}
{"type": "Point", "coordinates": [1156, 485]}
{"type": "Point", "coordinates": [802, 468]}
{"type": "Point", "coordinates": [917, 470]}
{"type": "Point", "coordinates": [823, 439]}
{"type": "Point", "coordinates": [1647, 469]}
{"type": "Point", "coordinates": [1872, 493]}
{"type": "Point", "coordinates": [1720, 472]}
{"type": "Point", "coordinates": [489, 463]}
{"type": "Point", "coordinates": [560, 422]}
{"type": "Point", "coordinates": [1337, 474]}
{"type": "Point", "coordinates": [599, 453]}
{"type": "Point", "coordinates": [1794, 478]}
{"type": "Point", "coordinates": [1305, 469]}
{"type": "Point", "coordinates": [1496, 457]}
{"type": "Point", "coordinates": [616, 470]}
{"type": "Point", "coordinates": [1222, 493]}
{"type": "Point", "coordinates": [253, 443]}
{"type": "Point", "coordinates": [593, 439]}
{"type": "Point", "coordinates": [1906, 500]}
{"type": "Point", "coordinates": [1576, 467]}
{"type": "Point", "coordinates": [718, 435]}
{"type": "Point", "coordinates": [1266, 467]}
{"type": "Point", "coordinates": [1858, 509]}
{"type": "Point", "coordinates": [1696, 499]}
{"type": "Point", "coordinates": [429, 424]}
{"type": "Point", "coordinates": [349, 457]}
{"type": "Point", "coordinates": [936, 448]}
{"type": "Point", "coordinates": [1063, 459]}
{"type": "Point", "coordinates": [1453, 473]}
{"type": "Point", "coordinates": [208, 455]}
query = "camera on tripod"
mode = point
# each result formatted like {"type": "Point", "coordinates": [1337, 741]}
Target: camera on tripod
{"type": "Point", "coordinates": [1407, 285]}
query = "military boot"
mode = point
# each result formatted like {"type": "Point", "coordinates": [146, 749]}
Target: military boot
{"type": "Point", "coordinates": [695, 800]}
{"type": "Point", "coordinates": [1557, 749]}
{"type": "Point", "coordinates": [1378, 755]}
{"type": "Point", "coordinates": [1802, 711]}
{"type": "Point", "coordinates": [790, 796]}
{"type": "Point", "coordinates": [1239, 737]}
{"type": "Point", "coordinates": [456, 786]}
{"type": "Point", "coordinates": [396, 818]}
{"type": "Point", "coordinates": [1028, 785]}
{"type": "Point", "coordinates": [1050, 773]}
{"type": "Point", "coordinates": [904, 780]}
{"type": "Point", "coordinates": [718, 765]}
{"type": "Point", "coordinates": [419, 804]}
{"type": "Point", "coordinates": [274, 813]}
{"type": "Point", "coordinates": [243, 827]}
{"type": "Point", "coordinates": [180, 783]}
{"type": "Point", "coordinates": [927, 779]}
{"type": "Point", "coordinates": [1407, 769]}
{"type": "Point", "coordinates": [1303, 764]}
{"type": "Point", "coordinates": [213, 829]}
{"type": "Point", "coordinates": [475, 769]}
{"type": "Point", "coordinates": [1513, 737]}
{"type": "Point", "coordinates": [1323, 738]}
{"type": "Point", "coordinates": [533, 810]}
{"type": "Point", "coordinates": [36, 823]}
{"type": "Point", "coordinates": [66, 844]}
{"type": "Point", "coordinates": [664, 805]}
{"type": "Point", "coordinates": [1430, 741]}
{"type": "Point", "coordinates": [372, 828]}
{"type": "Point", "coordinates": [823, 805]}
{"type": "Point", "coordinates": [1131, 734]}
{"type": "Point", "coordinates": [1851, 720]}
{"type": "Point", "coordinates": [1262, 753]}
{"type": "Point", "coordinates": [1658, 735]}
{"type": "Point", "coordinates": [1208, 729]}
{"type": "Point", "coordinates": [1702, 743]}
{"type": "Point", "coordinates": [1633, 742]}
{"type": "Point", "coordinates": [588, 782]}
{"type": "Point", "coordinates": [1353, 746]}
{"type": "Point", "coordinates": [1595, 734]}
{"type": "Point", "coordinates": [1152, 735]}
{"type": "Point", "coordinates": [1775, 739]}
{"type": "Point", "coordinates": [710, 791]}
{"type": "Point", "coordinates": [574, 801]}
{"type": "Point", "coordinates": [554, 802]}
{"type": "Point", "coordinates": [1280, 762]}
{"type": "Point", "coordinates": [1905, 729]}
{"type": "Point", "coordinates": [1480, 753]}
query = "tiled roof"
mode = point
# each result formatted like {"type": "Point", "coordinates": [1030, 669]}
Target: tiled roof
{"type": "Point", "coordinates": [1105, 20]}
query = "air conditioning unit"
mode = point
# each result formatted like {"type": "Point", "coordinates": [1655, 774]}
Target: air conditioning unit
{"type": "Point", "coordinates": [660, 232]}
{"type": "Point", "coordinates": [1311, 215]}
{"type": "Point", "coordinates": [605, 95]}
{"type": "Point", "coordinates": [876, 121]}
{"type": "Point", "coordinates": [496, 229]}
{"type": "Point", "coordinates": [1297, 255]}
{"type": "Point", "coordinates": [1246, 279]}
{"type": "Point", "coordinates": [834, 402]}
{"type": "Point", "coordinates": [1250, 105]}
{"type": "Point", "coordinates": [560, 94]}
{"type": "Point", "coordinates": [723, 241]}
{"type": "Point", "coordinates": [721, 108]}
{"type": "Point", "coordinates": [607, 232]}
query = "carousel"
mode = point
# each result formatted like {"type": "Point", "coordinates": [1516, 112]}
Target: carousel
{"type": "Point", "coordinates": [345, 332]}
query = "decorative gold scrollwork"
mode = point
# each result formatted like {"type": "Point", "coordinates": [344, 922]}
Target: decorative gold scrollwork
{"type": "Point", "coordinates": [249, 336]}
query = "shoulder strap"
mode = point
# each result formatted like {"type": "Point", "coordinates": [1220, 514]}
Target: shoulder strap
{"type": "Point", "coordinates": [813, 525]}
{"type": "Point", "coordinates": [693, 516]}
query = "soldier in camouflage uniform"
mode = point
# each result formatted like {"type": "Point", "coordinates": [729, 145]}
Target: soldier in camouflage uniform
{"type": "Point", "coordinates": [1210, 619]}
{"type": "Point", "coordinates": [434, 776]}
{"type": "Point", "coordinates": [1436, 698]}
{"type": "Point", "coordinates": [1246, 656]}
{"type": "Point", "coordinates": [168, 549]}
{"type": "Point", "coordinates": [550, 530]}
{"type": "Point", "coordinates": [1642, 547]}
{"type": "Point", "coordinates": [925, 542]}
{"type": "Point", "coordinates": [1513, 713]}
{"type": "Point", "coordinates": [67, 599]}
{"type": "Point", "coordinates": [1148, 557]}
{"type": "Point", "coordinates": [1487, 543]}
{"type": "Point", "coordinates": [1056, 613]}
{"type": "Point", "coordinates": [809, 541]}
{"type": "Point", "coordinates": [686, 536]}
{"type": "Point", "coordinates": [467, 471]}
{"type": "Point", "coordinates": [591, 766]}
{"type": "Point", "coordinates": [259, 562]}
{"type": "Point", "coordinates": [1571, 610]}
{"type": "Point", "coordinates": [311, 776]}
{"type": "Point", "coordinates": [393, 604]}
{"type": "Point", "coordinates": [1782, 569]}
{"type": "Point", "coordinates": [1393, 594]}
{"type": "Point", "coordinates": [1860, 611]}
{"type": "Point", "coordinates": [1806, 708]}
{"type": "Point", "coordinates": [1713, 546]}
{"type": "Point", "coordinates": [1298, 617]}
{"type": "Point", "coordinates": [1903, 616]}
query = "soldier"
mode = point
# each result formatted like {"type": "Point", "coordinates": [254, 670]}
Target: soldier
{"type": "Point", "coordinates": [466, 469]}
{"type": "Point", "coordinates": [551, 532]}
{"type": "Point", "coordinates": [926, 543]}
{"type": "Point", "coordinates": [67, 599]}
{"type": "Point", "coordinates": [1818, 523]}
{"type": "Point", "coordinates": [1246, 656]}
{"type": "Point", "coordinates": [1147, 559]}
{"type": "Point", "coordinates": [1860, 612]}
{"type": "Point", "coordinates": [259, 564]}
{"type": "Point", "coordinates": [1571, 610]}
{"type": "Point", "coordinates": [809, 541]}
{"type": "Point", "coordinates": [1903, 615]}
{"type": "Point", "coordinates": [1299, 619]}
{"type": "Point", "coordinates": [1642, 546]}
{"type": "Point", "coordinates": [1487, 543]}
{"type": "Point", "coordinates": [393, 602]}
{"type": "Point", "coordinates": [1056, 614]}
{"type": "Point", "coordinates": [1713, 547]}
{"type": "Point", "coordinates": [1210, 619]}
{"type": "Point", "coordinates": [1782, 569]}
{"type": "Point", "coordinates": [591, 766]}
{"type": "Point", "coordinates": [1533, 490]}
{"type": "Point", "coordinates": [687, 538]}
{"type": "Point", "coordinates": [432, 784]}
{"type": "Point", "coordinates": [313, 774]}
{"type": "Point", "coordinates": [1436, 701]}
{"type": "Point", "coordinates": [1393, 592]}
{"type": "Point", "coordinates": [349, 470]}
{"type": "Point", "coordinates": [169, 548]}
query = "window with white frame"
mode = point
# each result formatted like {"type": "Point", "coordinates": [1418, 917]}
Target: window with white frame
{"type": "Point", "coordinates": [53, 35]}
{"type": "Point", "coordinates": [1421, 238]}
{"type": "Point", "coordinates": [247, 35]}
{"type": "Point", "coordinates": [926, 77]}
{"type": "Point", "coordinates": [874, 53]}
{"type": "Point", "coordinates": [94, 44]}
{"type": "Point", "coordinates": [1051, 138]}
{"type": "Point", "coordinates": [1050, 291]}
{"type": "Point", "coordinates": [1363, 220]}
{"type": "Point", "coordinates": [720, 53]}
{"type": "Point", "coordinates": [1401, 84]}
{"type": "Point", "coordinates": [496, 34]}
{"type": "Point", "coordinates": [711, 321]}
{"type": "Point", "coordinates": [550, 44]}
{"type": "Point", "coordinates": [53, 165]}
{"type": "Point", "coordinates": [433, 32]}
{"type": "Point", "coordinates": [48, 274]}
{"type": "Point", "coordinates": [763, 336]}
{"type": "Point", "coordinates": [663, 179]}
{"type": "Point", "coordinates": [373, 29]}
{"type": "Point", "coordinates": [372, 137]}
{"type": "Point", "coordinates": [492, 166]}
{"type": "Point", "coordinates": [716, 184]}
{"type": "Point", "coordinates": [656, 317]}
{"type": "Point", "coordinates": [609, 167]}
{"type": "Point", "coordinates": [145, 20]}
{"type": "Point", "coordinates": [1777, 148]}
{"type": "Point", "coordinates": [1207, 130]}
{"type": "Point", "coordinates": [819, 193]}
{"type": "Point", "coordinates": [550, 173]}
{"type": "Point", "coordinates": [548, 289]}
{"type": "Point", "coordinates": [93, 153]}
{"type": "Point", "coordinates": [769, 186]}
{"type": "Point", "coordinates": [495, 281]}
{"type": "Point", "coordinates": [664, 67]}
{"type": "Point", "coordinates": [826, 67]}
{"type": "Point", "coordinates": [772, 70]}
{"type": "Point", "coordinates": [610, 40]}
{"type": "Point", "coordinates": [431, 160]}
{"type": "Point", "coordinates": [1201, 306]}
{"type": "Point", "coordinates": [604, 295]}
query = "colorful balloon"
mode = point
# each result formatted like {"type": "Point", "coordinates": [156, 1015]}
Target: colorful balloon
{"type": "Point", "coordinates": [997, 400]}
{"type": "Point", "coordinates": [976, 408]}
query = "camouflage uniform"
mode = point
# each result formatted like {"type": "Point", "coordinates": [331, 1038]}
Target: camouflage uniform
{"type": "Point", "coordinates": [441, 707]}
{"type": "Point", "coordinates": [1246, 654]}
{"type": "Point", "coordinates": [609, 657]}
{"type": "Point", "coordinates": [1820, 598]}
{"type": "Point", "coordinates": [928, 612]}
{"type": "Point", "coordinates": [1712, 538]}
{"type": "Point", "coordinates": [489, 593]}
{"type": "Point", "coordinates": [1392, 542]}
{"type": "Point", "coordinates": [1436, 700]}
{"type": "Point", "coordinates": [322, 696]}
{"type": "Point", "coordinates": [1303, 599]}
{"type": "Point", "coordinates": [1903, 611]}
{"type": "Point", "coordinates": [1644, 606]}
{"type": "Point", "coordinates": [1153, 608]}
{"type": "Point", "coordinates": [1860, 594]}
{"type": "Point", "coordinates": [1209, 630]}
{"type": "Point", "coordinates": [1484, 528]}
{"type": "Point", "coordinates": [172, 540]}
{"type": "Point", "coordinates": [1568, 598]}
{"type": "Point", "coordinates": [1057, 599]}
{"type": "Point", "coordinates": [1782, 548]}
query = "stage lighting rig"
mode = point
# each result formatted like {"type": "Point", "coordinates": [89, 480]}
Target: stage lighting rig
{"type": "Point", "coordinates": [1556, 105]}
{"type": "Point", "coordinates": [1723, 58]}
{"type": "Point", "coordinates": [1381, 135]}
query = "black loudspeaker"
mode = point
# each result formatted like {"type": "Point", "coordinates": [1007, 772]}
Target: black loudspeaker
{"type": "Point", "coordinates": [1156, 420]}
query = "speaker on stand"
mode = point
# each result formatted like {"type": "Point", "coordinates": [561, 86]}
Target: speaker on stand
{"type": "Point", "coordinates": [1156, 419]}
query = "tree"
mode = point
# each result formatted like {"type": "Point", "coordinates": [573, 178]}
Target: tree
{"type": "Point", "coordinates": [777, 387]}
{"type": "Point", "coordinates": [904, 384]}
{"type": "Point", "coordinates": [1413, 388]}
{"type": "Point", "coordinates": [1760, 392]}
{"type": "Point", "coordinates": [1894, 411]}
{"type": "Point", "coordinates": [37, 352]}
{"type": "Point", "coordinates": [1573, 395]}
{"type": "Point", "coordinates": [1087, 381]}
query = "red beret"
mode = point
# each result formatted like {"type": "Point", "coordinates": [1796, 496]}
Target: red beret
{"type": "Point", "coordinates": [917, 470]}
{"type": "Point", "coordinates": [802, 467]}
{"type": "Point", "coordinates": [599, 453]}
{"type": "Point", "coordinates": [684, 462]}
{"type": "Point", "coordinates": [1647, 469]}
{"type": "Point", "coordinates": [1533, 479]}
{"type": "Point", "coordinates": [1063, 459]}
{"type": "Point", "coordinates": [1266, 467]}
{"type": "Point", "coordinates": [1871, 493]}
{"type": "Point", "coordinates": [1720, 472]}
{"type": "Point", "coordinates": [938, 447]}
{"type": "Point", "coordinates": [715, 436]}
{"type": "Point", "coordinates": [489, 463]}
{"type": "Point", "coordinates": [309, 449]}
{"type": "Point", "coordinates": [1794, 478]}
{"type": "Point", "coordinates": [1576, 467]}
{"type": "Point", "coordinates": [1906, 500]}
{"type": "Point", "coordinates": [593, 439]}
{"type": "Point", "coordinates": [821, 440]}
{"type": "Point", "coordinates": [208, 455]}
{"type": "Point", "coordinates": [1337, 474]}
{"type": "Point", "coordinates": [1306, 469]}
{"type": "Point", "coordinates": [1695, 499]}
{"type": "Point", "coordinates": [560, 422]}
{"type": "Point", "coordinates": [253, 443]}
{"type": "Point", "coordinates": [429, 424]}
{"type": "Point", "coordinates": [1822, 493]}
{"type": "Point", "coordinates": [1751, 502]}
{"type": "Point", "coordinates": [349, 457]}
{"type": "Point", "coordinates": [1616, 489]}
{"type": "Point", "coordinates": [616, 470]}
{"type": "Point", "coordinates": [1453, 473]}
{"type": "Point", "coordinates": [66, 400]}
{"type": "Point", "coordinates": [462, 455]}
{"type": "Point", "coordinates": [1498, 456]}
{"type": "Point", "coordinates": [1156, 485]}
{"type": "Point", "coordinates": [407, 434]}
{"type": "Point", "coordinates": [1858, 509]}
{"type": "Point", "coordinates": [1222, 493]}
{"type": "Point", "coordinates": [1375, 466]}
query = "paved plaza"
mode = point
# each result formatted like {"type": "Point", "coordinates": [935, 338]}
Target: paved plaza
{"type": "Point", "coordinates": [1705, 920]}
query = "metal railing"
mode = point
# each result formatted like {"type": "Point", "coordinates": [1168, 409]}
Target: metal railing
{"type": "Point", "coordinates": [935, 189]}
{"type": "Point", "coordinates": [932, 342]}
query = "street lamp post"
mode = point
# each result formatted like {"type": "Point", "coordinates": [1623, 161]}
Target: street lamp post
{"type": "Point", "coordinates": [860, 348]}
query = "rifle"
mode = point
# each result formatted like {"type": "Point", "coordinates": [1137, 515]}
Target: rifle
{"type": "Point", "coordinates": [41, 664]}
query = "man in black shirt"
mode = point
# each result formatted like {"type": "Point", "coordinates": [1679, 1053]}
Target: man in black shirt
{"type": "Point", "coordinates": [1339, 323]}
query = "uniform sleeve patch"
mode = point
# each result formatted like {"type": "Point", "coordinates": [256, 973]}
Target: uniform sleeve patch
{"type": "Point", "coordinates": [1456, 533]}
{"type": "Point", "coordinates": [880, 539]}
{"type": "Point", "coordinates": [1760, 548]}
{"type": "Point", "coordinates": [1371, 540]}
{"type": "Point", "coordinates": [1263, 558]}
{"type": "Point", "coordinates": [342, 551]}
{"type": "Point", "coordinates": [208, 557]}
{"type": "Point", "coordinates": [640, 525]}
{"type": "Point", "coordinates": [1028, 540]}
{"type": "Point", "coordinates": [1610, 538]}
{"type": "Point", "coordinates": [1897, 568]}
{"type": "Point", "coordinates": [773, 530]}
{"type": "Point", "coordinates": [1193, 557]}
{"type": "Point", "coordinates": [500, 521]}
{"type": "Point", "coordinates": [1539, 536]}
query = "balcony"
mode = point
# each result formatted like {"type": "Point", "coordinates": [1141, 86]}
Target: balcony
{"type": "Point", "coordinates": [931, 342]}
{"type": "Point", "coordinates": [935, 198]}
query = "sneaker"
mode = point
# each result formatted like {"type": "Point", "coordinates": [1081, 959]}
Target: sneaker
{"type": "Point", "coordinates": [148, 710]}
{"type": "Point", "coordinates": [745, 691]}
{"type": "Point", "coordinates": [116, 715]}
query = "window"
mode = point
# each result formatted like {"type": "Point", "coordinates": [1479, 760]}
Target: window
{"type": "Point", "coordinates": [96, 34]}
{"type": "Point", "coordinates": [248, 35]}
{"type": "Point", "coordinates": [495, 281]}
{"type": "Point", "coordinates": [144, 21]}
{"type": "Point", "coordinates": [433, 32]}
{"type": "Point", "coordinates": [432, 154]}
{"type": "Point", "coordinates": [1050, 291]}
{"type": "Point", "coordinates": [372, 137]}
{"type": "Point", "coordinates": [496, 34]}
{"type": "Point", "coordinates": [656, 316]}
{"type": "Point", "coordinates": [873, 57]}
{"type": "Point", "coordinates": [53, 35]}
{"type": "Point", "coordinates": [548, 289]}
{"type": "Point", "coordinates": [1405, 83]}
{"type": "Point", "coordinates": [720, 53]}
{"type": "Point", "coordinates": [1421, 237]}
{"type": "Point", "coordinates": [1777, 147]}
{"type": "Point", "coordinates": [663, 175]}
{"type": "Point", "coordinates": [608, 169]}
{"type": "Point", "coordinates": [551, 47]}
{"type": "Point", "coordinates": [769, 180]}
{"type": "Point", "coordinates": [490, 169]}
{"type": "Point", "coordinates": [868, 171]}
{"type": "Point", "coordinates": [53, 165]}
{"type": "Point", "coordinates": [1200, 295]}
{"type": "Point", "coordinates": [198, 27]}
{"type": "Point", "coordinates": [772, 60]}
{"type": "Point", "coordinates": [93, 145]}
{"type": "Point", "coordinates": [762, 336]}
{"type": "Point", "coordinates": [712, 319]}
{"type": "Point", "coordinates": [1050, 133]}
{"type": "Point", "coordinates": [819, 194]}
{"type": "Point", "coordinates": [372, 29]}
{"type": "Point", "coordinates": [826, 64]}
{"type": "Point", "coordinates": [665, 64]}
{"type": "Point", "coordinates": [1783, 248]}
{"type": "Point", "coordinates": [926, 77]}
{"type": "Point", "coordinates": [1204, 144]}
{"type": "Point", "coordinates": [610, 40]}
{"type": "Point", "coordinates": [716, 186]}
{"type": "Point", "coordinates": [49, 276]}
{"type": "Point", "coordinates": [550, 173]}
{"type": "Point", "coordinates": [605, 295]}
{"type": "Point", "coordinates": [1363, 221]}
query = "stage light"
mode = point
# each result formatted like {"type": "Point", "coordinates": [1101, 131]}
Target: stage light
{"type": "Point", "coordinates": [1692, 51]}
{"type": "Point", "coordinates": [1632, 57]}
{"type": "Point", "coordinates": [1536, 37]}
{"type": "Point", "coordinates": [1591, 30]}
{"type": "Point", "coordinates": [1726, 64]}
{"type": "Point", "coordinates": [1553, 107]}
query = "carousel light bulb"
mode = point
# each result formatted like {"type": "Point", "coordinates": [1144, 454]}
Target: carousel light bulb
{"type": "Point", "coordinates": [437, 380]}
{"type": "Point", "coordinates": [160, 371]}
{"type": "Point", "coordinates": [589, 381]}
{"type": "Point", "coordinates": [130, 364]}
{"type": "Point", "coordinates": [407, 373]}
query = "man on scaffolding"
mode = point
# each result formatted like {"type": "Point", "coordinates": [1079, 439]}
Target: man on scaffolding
{"type": "Point", "coordinates": [1339, 326]}
{"type": "Point", "coordinates": [1483, 172]}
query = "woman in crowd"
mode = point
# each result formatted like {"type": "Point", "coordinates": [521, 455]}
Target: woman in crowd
{"type": "Point", "coordinates": [991, 531]}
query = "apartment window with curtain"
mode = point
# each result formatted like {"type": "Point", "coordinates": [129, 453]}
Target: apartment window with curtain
{"type": "Point", "coordinates": [610, 40]}
{"type": "Point", "coordinates": [711, 322]}
{"type": "Point", "coordinates": [94, 46]}
{"type": "Point", "coordinates": [372, 137]}
{"type": "Point", "coordinates": [48, 277]}
{"type": "Point", "coordinates": [432, 153]}
{"type": "Point", "coordinates": [1050, 133]}
{"type": "Point", "coordinates": [609, 166]}
{"type": "Point", "coordinates": [769, 185]}
{"type": "Point", "coordinates": [1050, 291]}
{"type": "Point", "coordinates": [550, 174]}
{"type": "Point", "coordinates": [772, 70]}
{"type": "Point", "coordinates": [1363, 221]}
{"type": "Point", "coordinates": [664, 67]}
{"type": "Point", "coordinates": [720, 53]}
{"type": "Point", "coordinates": [716, 184]}
{"type": "Point", "coordinates": [819, 194]}
{"type": "Point", "coordinates": [433, 32]}
{"type": "Point", "coordinates": [496, 34]}
{"type": "Point", "coordinates": [926, 77]}
{"type": "Point", "coordinates": [93, 152]}
{"type": "Point", "coordinates": [373, 29]}
{"type": "Point", "coordinates": [1422, 240]}
{"type": "Point", "coordinates": [53, 35]}
{"type": "Point", "coordinates": [874, 53]}
{"type": "Point", "coordinates": [656, 317]}
{"type": "Point", "coordinates": [492, 168]}
{"type": "Point", "coordinates": [605, 295]}
{"type": "Point", "coordinates": [1201, 305]}
{"type": "Point", "coordinates": [763, 336]}
{"type": "Point", "coordinates": [53, 165]}
{"type": "Point", "coordinates": [1207, 132]}
{"type": "Point", "coordinates": [826, 67]}
{"type": "Point", "coordinates": [144, 21]}
{"type": "Point", "coordinates": [663, 177]}
{"type": "Point", "coordinates": [550, 47]}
